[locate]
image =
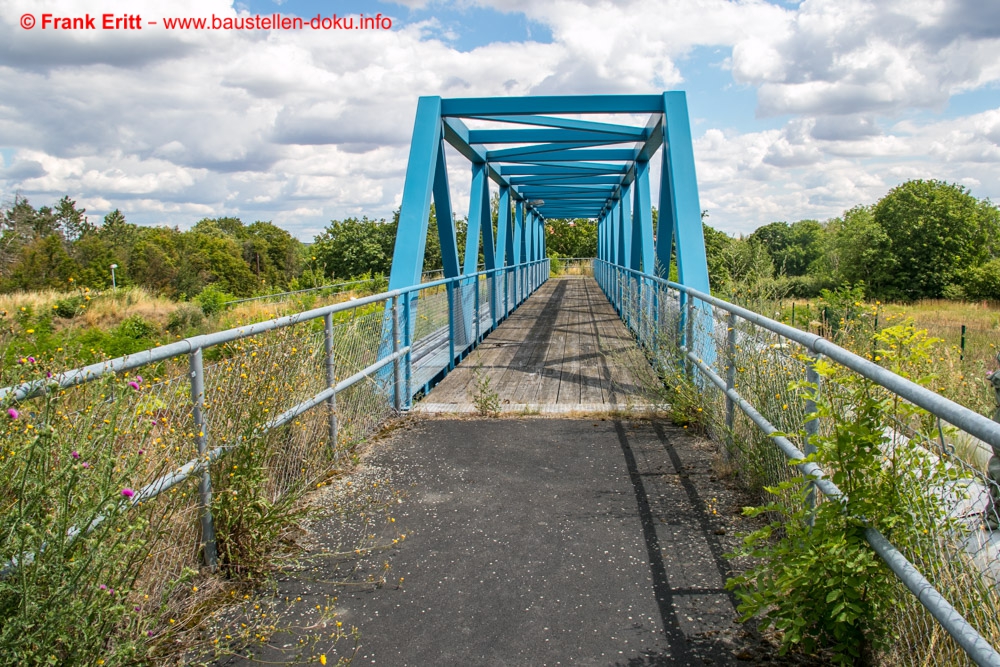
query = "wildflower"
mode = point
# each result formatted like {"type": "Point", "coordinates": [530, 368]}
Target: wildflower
{"type": "Point", "coordinates": [75, 454]}
{"type": "Point", "coordinates": [103, 587]}
{"type": "Point", "coordinates": [127, 492]}
{"type": "Point", "coordinates": [48, 375]}
{"type": "Point", "coordinates": [31, 360]}
{"type": "Point", "coordinates": [322, 658]}
{"type": "Point", "coordinates": [134, 385]}
{"type": "Point", "coordinates": [85, 464]}
{"type": "Point", "coordinates": [30, 331]}
{"type": "Point", "coordinates": [138, 378]}
{"type": "Point", "coordinates": [12, 413]}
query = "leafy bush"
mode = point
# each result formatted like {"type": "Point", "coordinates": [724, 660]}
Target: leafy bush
{"type": "Point", "coordinates": [68, 307]}
{"type": "Point", "coordinates": [815, 579]}
{"type": "Point", "coordinates": [135, 327]}
{"type": "Point", "coordinates": [212, 299]}
{"type": "Point", "coordinates": [185, 317]}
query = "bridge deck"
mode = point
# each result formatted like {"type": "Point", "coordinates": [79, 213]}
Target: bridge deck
{"type": "Point", "coordinates": [564, 350]}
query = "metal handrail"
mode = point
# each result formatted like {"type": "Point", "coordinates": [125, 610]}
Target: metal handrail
{"type": "Point", "coordinates": [396, 355]}
{"type": "Point", "coordinates": [964, 633]}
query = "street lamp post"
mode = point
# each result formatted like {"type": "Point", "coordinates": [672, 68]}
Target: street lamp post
{"type": "Point", "coordinates": [114, 284]}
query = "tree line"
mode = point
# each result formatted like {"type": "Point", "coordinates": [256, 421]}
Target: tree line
{"type": "Point", "coordinates": [924, 239]}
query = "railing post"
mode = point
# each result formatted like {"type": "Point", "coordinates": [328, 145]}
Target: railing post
{"type": "Point", "coordinates": [731, 323]}
{"type": "Point", "coordinates": [812, 430]}
{"type": "Point", "coordinates": [689, 334]}
{"type": "Point", "coordinates": [476, 309]}
{"type": "Point", "coordinates": [408, 343]}
{"type": "Point", "coordinates": [397, 367]}
{"type": "Point", "coordinates": [197, 367]}
{"type": "Point", "coordinates": [451, 326]}
{"type": "Point", "coordinates": [331, 381]}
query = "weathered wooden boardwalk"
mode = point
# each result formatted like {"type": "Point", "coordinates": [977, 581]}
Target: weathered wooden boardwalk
{"type": "Point", "coordinates": [564, 350]}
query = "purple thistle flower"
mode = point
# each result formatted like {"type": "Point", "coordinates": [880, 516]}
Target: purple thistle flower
{"type": "Point", "coordinates": [138, 378]}
{"type": "Point", "coordinates": [127, 492]}
{"type": "Point", "coordinates": [75, 454]}
{"type": "Point", "coordinates": [85, 464]}
{"type": "Point", "coordinates": [141, 452]}
{"type": "Point", "coordinates": [12, 413]}
{"type": "Point", "coordinates": [134, 385]}
{"type": "Point", "coordinates": [31, 360]}
{"type": "Point", "coordinates": [149, 633]}
{"type": "Point", "coordinates": [103, 587]}
{"type": "Point", "coordinates": [48, 374]}
{"type": "Point", "coordinates": [138, 609]}
{"type": "Point", "coordinates": [21, 361]}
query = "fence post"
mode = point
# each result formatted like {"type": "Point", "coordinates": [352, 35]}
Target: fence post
{"type": "Point", "coordinates": [812, 429]}
{"type": "Point", "coordinates": [331, 380]}
{"type": "Point", "coordinates": [961, 355]}
{"type": "Point", "coordinates": [731, 324]}
{"type": "Point", "coordinates": [397, 367]}
{"type": "Point", "coordinates": [197, 367]}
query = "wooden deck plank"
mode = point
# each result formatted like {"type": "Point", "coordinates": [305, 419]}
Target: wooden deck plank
{"type": "Point", "coordinates": [564, 346]}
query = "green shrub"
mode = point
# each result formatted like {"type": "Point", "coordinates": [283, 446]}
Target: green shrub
{"type": "Point", "coordinates": [815, 578]}
{"type": "Point", "coordinates": [69, 307]}
{"type": "Point", "coordinates": [186, 317]}
{"type": "Point", "coordinates": [135, 327]}
{"type": "Point", "coordinates": [212, 300]}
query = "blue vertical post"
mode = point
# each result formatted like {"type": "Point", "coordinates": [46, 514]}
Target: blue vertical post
{"type": "Point", "coordinates": [503, 234]}
{"type": "Point", "coordinates": [479, 216]}
{"type": "Point", "coordinates": [518, 240]}
{"type": "Point", "coordinates": [625, 252]}
{"type": "Point", "coordinates": [414, 212]}
{"type": "Point", "coordinates": [685, 211]}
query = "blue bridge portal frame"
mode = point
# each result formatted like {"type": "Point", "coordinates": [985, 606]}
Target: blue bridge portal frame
{"type": "Point", "coordinates": [550, 163]}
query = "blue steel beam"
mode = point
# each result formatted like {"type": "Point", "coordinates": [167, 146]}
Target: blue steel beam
{"type": "Point", "coordinates": [642, 221]}
{"type": "Point", "coordinates": [553, 136]}
{"type": "Point", "coordinates": [683, 202]}
{"type": "Point", "coordinates": [569, 104]}
{"type": "Point", "coordinates": [505, 154]}
{"type": "Point", "coordinates": [554, 178]}
{"type": "Point", "coordinates": [588, 154]}
{"type": "Point", "coordinates": [411, 232]}
{"type": "Point", "coordinates": [479, 213]}
{"type": "Point", "coordinates": [445, 220]}
{"type": "Point", "coordinates": [592, 168]}
{"type": "Point", "coordinates": [567, 124]}
{"type": "Point", "coordinates": [503, 227]}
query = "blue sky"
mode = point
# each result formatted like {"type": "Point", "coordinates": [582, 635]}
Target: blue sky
{"type": "Point", "coordinates": [799, 110]}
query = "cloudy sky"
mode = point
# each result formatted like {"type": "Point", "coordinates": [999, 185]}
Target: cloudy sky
{"type": "Point", "coordinates": [799, 109]}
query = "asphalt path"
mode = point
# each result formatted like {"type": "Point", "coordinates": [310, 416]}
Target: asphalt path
{"type": "Point", "coordinates": [530, 542]}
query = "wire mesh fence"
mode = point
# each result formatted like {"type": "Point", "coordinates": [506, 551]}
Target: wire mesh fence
{"type": "Point", "coordinates": [118, 479]}
{"type": "Point", "coordinates": [767, 393]}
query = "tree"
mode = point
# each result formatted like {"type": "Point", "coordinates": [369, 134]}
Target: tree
{"type": "Point", "coordinates": [793, 248]}
{"type": "Point", "coordinates": [352, 247]}
{"type": "Point", "coordinates": [934, 233]}
{"type": "Point", "coordinates": [571, 238]}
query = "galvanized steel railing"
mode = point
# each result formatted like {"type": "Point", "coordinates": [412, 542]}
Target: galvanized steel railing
{"type": "Point", "coordinates": [726, 347]}
{"type": "Point", "coordinates": [379, 351]}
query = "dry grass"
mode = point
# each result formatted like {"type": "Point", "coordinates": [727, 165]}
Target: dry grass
{"type": "Point", "coordinates": [103, 310]}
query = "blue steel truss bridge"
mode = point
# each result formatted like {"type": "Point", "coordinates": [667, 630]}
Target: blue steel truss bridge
{"type": "Point", "coordinates": [580, 526]}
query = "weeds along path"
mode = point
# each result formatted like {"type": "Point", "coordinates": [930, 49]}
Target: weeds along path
{"type": "Point", "coordinates": [524, 541]}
